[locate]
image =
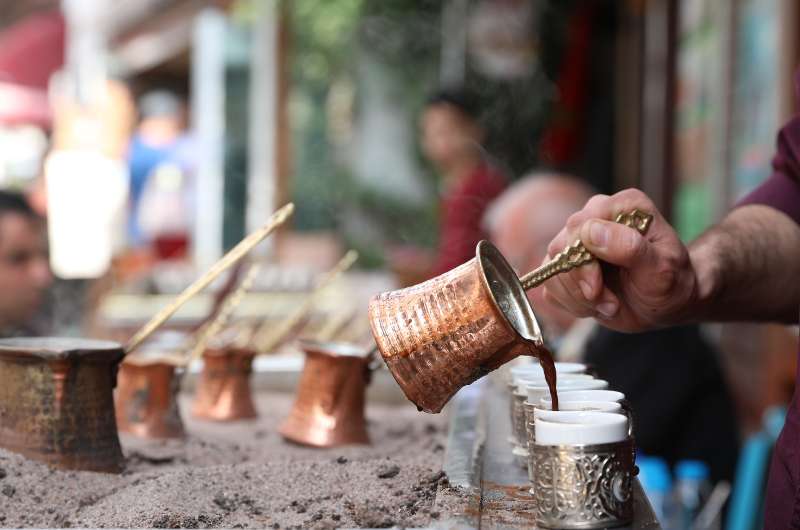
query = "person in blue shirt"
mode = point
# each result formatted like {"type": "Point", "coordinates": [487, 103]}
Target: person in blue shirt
{"type": "Point", "coordinates": [157, 140]}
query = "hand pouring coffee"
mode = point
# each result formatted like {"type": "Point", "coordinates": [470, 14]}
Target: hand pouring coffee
{"type": "Point", "coordinates": [449, 331]}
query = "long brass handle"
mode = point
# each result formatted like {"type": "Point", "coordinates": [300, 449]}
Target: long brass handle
{"type": "Point", "coordinates": [231, 258]}
{"type": "Point", "coordinates": [576, 254]}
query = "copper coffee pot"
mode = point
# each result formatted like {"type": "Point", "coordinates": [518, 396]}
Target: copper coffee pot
{"type": "Point", "coordinates": [56, 404]}
{"type": "Point", "coordinates": [56, 401]}
{"type": "Point", "coordinates": [147, 396]}
{"type": "Point", "coordinates": [223, 393]}
{"type": "Point", "coordinates": [329, 407]}
{"type": "Point", "coordinates": [223, 390]}
{"type": "Point", "coordinates": [449, 331]}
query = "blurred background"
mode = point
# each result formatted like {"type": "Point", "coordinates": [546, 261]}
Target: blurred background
{"type": "Point", "coordinates": [154, 134]}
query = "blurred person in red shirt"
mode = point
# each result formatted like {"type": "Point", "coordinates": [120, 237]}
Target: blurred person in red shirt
{"type": "Point", "coordinates": [25, 276]}
{"type": "Point", "coordinates": [451, 139]}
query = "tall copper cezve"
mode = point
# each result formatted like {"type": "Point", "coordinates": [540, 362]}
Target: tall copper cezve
{"type": "Point", "coordinates": [445, 333]}
{"type": "Point", "coordinates": [329, 407]}
{"type": "Point", "coordinates": [56, 402]}
{"type": "Point", "coordinates": [147, 398]}
{"type": "Point", "coordinates": [223, 391]}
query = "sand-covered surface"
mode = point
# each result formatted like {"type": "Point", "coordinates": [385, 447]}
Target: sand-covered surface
{"type": "Point", "coordinates": [244, 475]}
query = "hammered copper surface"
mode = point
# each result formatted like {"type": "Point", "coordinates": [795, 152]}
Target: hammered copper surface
{"type": "Point", "coordinates": [445, 333]}
{"type": "Point", "coordinates": [56, 402]}
{"type": "Point", "coordinates": [329, 407]}
{"type": "Point", "coordinates": [223, 390]}
{"type": "Point", "coordinates": [147, 400]}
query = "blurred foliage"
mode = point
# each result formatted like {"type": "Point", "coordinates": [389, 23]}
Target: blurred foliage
{"type": "Point", "coordinates": [404, 34]}
{"type": "Point", "coordinates": [322, 39]}
{"type": "Point", "coordinates": [322, 47]}
{"type": "Point", "coordinates": [328, 38]}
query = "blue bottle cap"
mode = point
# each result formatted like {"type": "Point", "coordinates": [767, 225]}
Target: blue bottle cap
{"type": "Point", "coordinates": [691, 470]}
{"type": "Point", "coordinates": [654, 474]}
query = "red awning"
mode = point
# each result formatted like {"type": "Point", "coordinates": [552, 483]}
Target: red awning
{"type": "Point", "coordinates": [30, 51]}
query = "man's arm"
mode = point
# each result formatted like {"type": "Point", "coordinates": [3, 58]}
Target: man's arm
{"type": "Point", "coordinates": [745, 268]}
{"type": "Point", "coordinates": [748, 268]}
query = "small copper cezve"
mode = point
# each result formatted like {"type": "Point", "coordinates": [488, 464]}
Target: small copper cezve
{"type": "Point", "coordinates": [329, 407]}
{"type": "Point", "coordinates": [56, 402]}
{"type": "Point", "coordinates": [147, 397]}
{"type": "Point", "coordinates": [223, 390]}
{"type": "Point", "coordinates": [445, 333]}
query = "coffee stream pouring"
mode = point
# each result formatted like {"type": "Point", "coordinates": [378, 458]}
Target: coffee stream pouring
{"type": "Point", "coordinates": [449, 331]}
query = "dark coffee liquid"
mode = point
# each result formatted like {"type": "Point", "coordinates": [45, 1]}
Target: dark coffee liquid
{"type": "Point", "coordinates": [545, 357]}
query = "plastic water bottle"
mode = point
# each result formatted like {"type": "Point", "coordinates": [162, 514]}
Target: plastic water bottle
{"type": "Point", "coordinates": [691, 490]}
{"type": "Point", "coordinates": [656, 482]}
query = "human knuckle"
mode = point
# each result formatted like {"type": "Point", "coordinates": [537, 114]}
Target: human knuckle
{"type": "Point", "coordinates": [574, 221]}
{"type": "Point", "coordinates": [629, 193]}
{"type": "Point", "coordinates": [596, 200]}
{"type": "Point", "coordinates": [635, 196]}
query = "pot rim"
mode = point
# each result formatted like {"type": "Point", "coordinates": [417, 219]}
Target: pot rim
{"type": "Point", "coordinates": [334, 349]}
{"type": "Point", "coordinates": [491, 259]}
{"type": "Point", "coordinates": [229, 351]}
{"type": "Point", "coordinates": [172, 359]}
{"type": "Point", "coordinates": [60, 348]}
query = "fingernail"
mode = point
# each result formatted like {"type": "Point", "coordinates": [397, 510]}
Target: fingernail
{"type": "Point", "coordinates": [598, 234]}
{"type": "Point", "coordinates": [586, 289]}
{"type": "Point", "coordinates": [607, 309]}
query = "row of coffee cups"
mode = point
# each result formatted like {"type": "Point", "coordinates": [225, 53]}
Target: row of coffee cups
{"type": "Point", "coordinates": [583, 452]}
{"type": "Point", "coordinates": [581, 397]}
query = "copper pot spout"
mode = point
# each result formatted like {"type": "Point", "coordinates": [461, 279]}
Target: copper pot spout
{"type": "Point", "coordinates": [147, 398]}
{"type": "Point", "coordinates": [445, 333]}
{"type": "Point", "coordinates": [329, 407]}
{"type": "Point", "coordinates": [56, 402]}
{"type": "Point", "coordinates": [223, 391]}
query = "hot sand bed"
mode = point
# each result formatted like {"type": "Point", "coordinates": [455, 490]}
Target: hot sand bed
{"type": "Point", "coordinates": [244, 474]}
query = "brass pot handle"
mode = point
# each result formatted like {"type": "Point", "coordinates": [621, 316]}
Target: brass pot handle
{"type": "Point", "coordinates": [576, 254]}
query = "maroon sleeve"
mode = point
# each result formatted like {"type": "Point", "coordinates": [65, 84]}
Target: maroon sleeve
{"type": "Point", "coordinates": [461, 218]}
{"type": "Point", "coordinates": [782, 189]}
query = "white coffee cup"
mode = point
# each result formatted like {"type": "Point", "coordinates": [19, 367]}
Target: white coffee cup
{"type": "Point", "coordinates": [582, 395]}
{"type": "Point", "coordinates": [536, 368]}
{"type": "Point", "coordinates": [579, 428]}
{"type": "Point", "coordinates": [536, 391]}
{"type": "Point", "coordinates": [522, 381]}
{"type": "Point", "coordinates": [580, 406]}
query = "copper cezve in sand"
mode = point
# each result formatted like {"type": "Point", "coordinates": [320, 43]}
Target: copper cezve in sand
{"type": "Point", "coordinates": [56, 401]}
{"type": "Point", "coordinates": [449, 331]}
{"type": "Point", "coordinates": [147, 396]}
{"type": "Point", "coordinates": [329, 407]}
{"type": "Point", "coordinates": [223, 390]}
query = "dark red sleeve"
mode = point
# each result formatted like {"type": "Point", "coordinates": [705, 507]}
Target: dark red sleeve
{"type": "Point", "coordinates": [461, 218]}
{"type": "Point", "coordinates": [782, 189]}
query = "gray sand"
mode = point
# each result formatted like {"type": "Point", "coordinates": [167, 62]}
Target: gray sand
{"type": "Point", "coordinates": [243, 474]}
